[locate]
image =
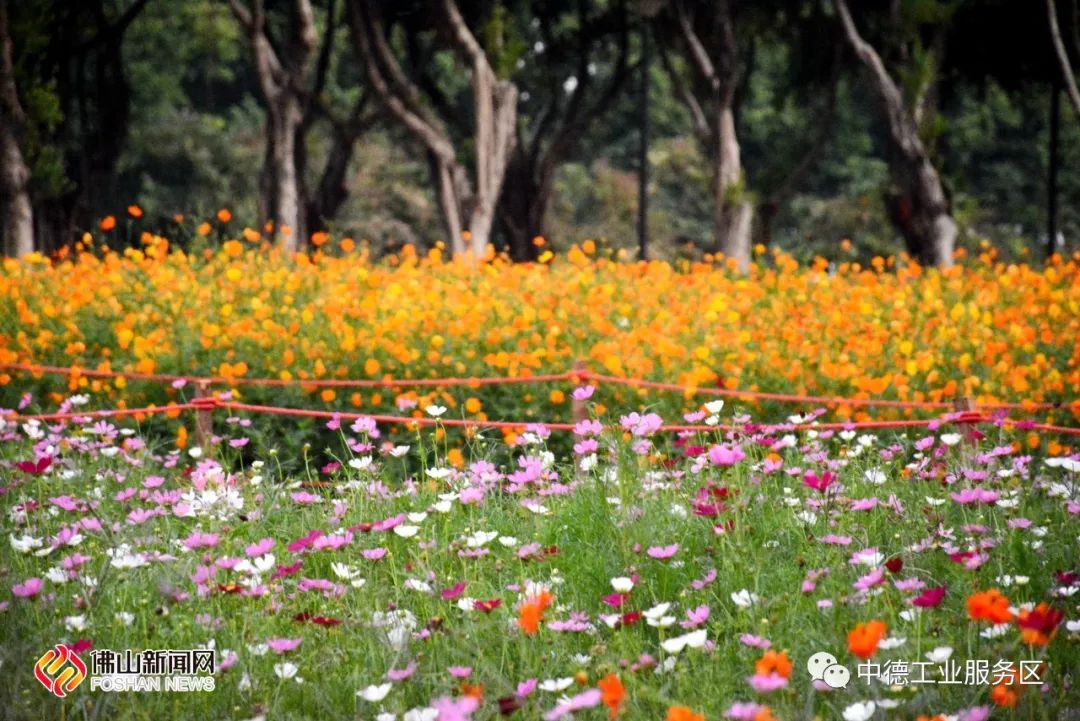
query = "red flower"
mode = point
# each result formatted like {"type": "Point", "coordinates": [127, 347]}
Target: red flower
{"type": "Point", "coordinates": [931, 597]}
{"type": "Point", "coordinates": [895, 564]}
{"type": "Point", "coordinates": [1040, 624]}
{"type": "Point", "coordinates": [487, 606]}
{"type": "Point", "coordinates": [35, 468]}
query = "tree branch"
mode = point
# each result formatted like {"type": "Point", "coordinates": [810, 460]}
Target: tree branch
{"type": "Point", "coordinates": [1063, 57]}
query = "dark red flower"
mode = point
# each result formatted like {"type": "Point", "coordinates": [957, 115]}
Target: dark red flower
{"type": "Point", "coordinates": [931, 597]}
{"type": "Point", "coordinates": [35, 468]}
{"type": "Point", "coordinates": [895, 564]}
{"type": "Point", "coordinates": [487, 606]}
{"type": "Point", "coordinates": [629, 619]}
{"type": "Point", "coordinates": [509, 704]}
{"type": "Point", "coordinates": [450, 594]}
{"type": "Point", "coordinates": [286, 571]}
{"type": "Point", "coordinates": [1067, 578]}
{"type": "Point", "coordinates": [83, 644]}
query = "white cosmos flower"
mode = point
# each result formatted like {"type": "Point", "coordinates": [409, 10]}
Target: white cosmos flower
{"type": "Point", "coordinates": [423, 713]}
{"type": "Point", "coordinates": [744, 598]}
{"type": "Point", "coordinates": [480, 538]}
{"type": "Point", "coordinates": [951, 439]}
{"type": "Point", "coordinates": [399, 451]}
{"type": "Point", "coordinates": [657, 611]}
{"type": "Point", "coordinates": [941, 654]}
{"type": "Point", "coordinates": [406, 531]}
{"type": "Point", "coordinates": [443, 506]}
{"type": "Point", "coordinates": [694, 639]}
{"type": "Point", "coordinates": [876, 476]}
{"type": "Point", "coordinates": [417, 517]}
{"type": "Point", "coordinates": [860, 711]}
{"type": "Point", "coordinates": [435, 411]}
{"type": "Point", "coordinates": [25, 544]}
{"type": "Point", "coordinates": [892, 642]}
{"type": "Point", "coordinates": [360, 463]}
{"type": "Point", "coordinates": [286, 669]}
{"type": "Point", "coordinates": [375, 693]}
{"type": "Point", "coordinates": [714, 407]}
{"type": "Point", "coordinates": [343, 571]}
{"type": "Point", "coordinates": [438, 473]}
{"type": "Point", "coordinates": [995, 631]}
{"type": "Point", "coordinates": [1067, 463]}
{"type": "Point", "coordinates": [622, 584]}
{"type": "Point", "coordinates": [554, 685]}
{"type": "Point", "coordinates": [508, 541]}
{"type": "Point", "coordinates": [418, 585]}
{"type": "Point", "coordinates": [75, 623]}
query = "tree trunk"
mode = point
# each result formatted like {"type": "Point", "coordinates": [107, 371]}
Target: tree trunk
{"type": "Point", "coordinates": [523, 208]}
{"type": "Point", "coordinates": [17, 213]}
{"type": "Point", "coordinates": [732, 212]}
{"type": "Point", "coordinates": [285, 199]}
{"type": "Point", "coordinates": [920, 208]}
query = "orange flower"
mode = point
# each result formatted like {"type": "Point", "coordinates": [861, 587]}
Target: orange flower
{"type": "Point", "coordinates": [989, 606]}
{"type": "Point", "coordinates": [107, 223]}
{"type": "Point", "coordinates": [203, 229]}
{"type": "Point", "coordinates": [531, 612]}
{"type": "Point", "coordinates": [319, 238]}
{"type": "Point", "coordinates": [863, 640]}
{"type": "Point", "coordinates": [135, 211]}
{"type": "Point", "coordinates": [224, 215]}
{"type": "Point", "coordinates": [613, 693]}
{"type": "Point", "coordinates": [682, 713]}
{"type": "Point", "coordinates": [1038, 626]}
{"type": "Point", "coordinates": [474, 690]}
{"type": "Point", "coordinates": [773, 662]}
{"type": "Point", "coordinates": [1004, 696]}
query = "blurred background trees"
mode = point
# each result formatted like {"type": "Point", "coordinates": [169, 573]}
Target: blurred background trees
{"type": "Point", "coordinates": [517, 122]}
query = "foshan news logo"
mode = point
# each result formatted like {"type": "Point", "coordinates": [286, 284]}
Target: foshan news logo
{"type": "Point", "coordinates": [61, 670]}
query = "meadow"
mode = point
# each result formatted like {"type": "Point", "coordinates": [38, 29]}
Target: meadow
{"type": "Point", "coordinates": [342, 567]}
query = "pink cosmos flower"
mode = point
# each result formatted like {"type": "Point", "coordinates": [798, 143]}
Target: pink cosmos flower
{"type": "Point", "coordinates": [819, 483]}
{"type": "Point", "coordinates": [662, 553]}
{"type": "Point", "coordinates": [460, 671]}
{"type": "Point", "coordinates": [455, 709]}
{"type": "Point", "coordinates": [283, 645]}
{"type": "Point", "coordinates": [583, 393]}
{"type": "Point", "coordinates": [373, 554]}
{"type": "Point", "coordinates": [29, 588]}
{"type": "Point", "coordinates": [725, 455]}
{"type": "Point", "coordinates": [200, 540]}
{"type": "Point", "coordinates": [402, 674]}
{"type": "Point", "coordinates": [455, 591]}
{"type": "Point", "coordinates": [749, 639]}
{"type": "Point", "coordinates": [743, 711]}
{"type": "Point", "coordinates": [259, 548]}
{"type": "Point", "coordinates": [696, 616]}
{"type": "Point", "coordinates": [767, 684]}
{"type": "Point", "coordinates": [584, 700]}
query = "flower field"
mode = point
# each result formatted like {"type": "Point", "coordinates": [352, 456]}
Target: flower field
{"type": "Point", "coordinates": [586, 560]}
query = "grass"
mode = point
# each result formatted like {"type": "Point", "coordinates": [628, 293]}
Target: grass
{"type": "Point", "coordinates": [774, 539]}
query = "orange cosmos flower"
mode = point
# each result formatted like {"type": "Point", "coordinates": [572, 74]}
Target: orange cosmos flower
{"type": "Point", "coordinates": [682, 713]}
{"type": "Point", "coordinates": [135, 211]}
{"type": "Point", "coordinates": [613, 693]}
{"type": "Point", "coordinates": [773, 662]}
{"type": "Point", "coordinates": [107, 223]}
{"type": "Point", "coordinates": [989, 606]}
{"type": "Point", "coordinates": [531, 612]}
{"type": "Point", "coordinates": [1039, 625]}
{"type": "Point", "coordinates": [863, 640]}
{"type": "Point", "coordinates": [224, 215]}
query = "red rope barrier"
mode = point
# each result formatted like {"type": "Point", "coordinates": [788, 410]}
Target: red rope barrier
{"type": "Point", "coordinates": [108, 413]}
{"type": "Point", "coordinates": [793, 398]}
{"type": "Point", "coordinates": [212, 403]}
{"type": "Point", "coordinates": [574, 376]}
